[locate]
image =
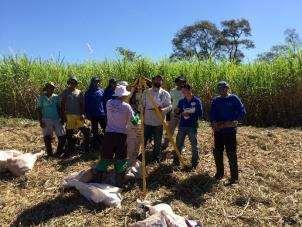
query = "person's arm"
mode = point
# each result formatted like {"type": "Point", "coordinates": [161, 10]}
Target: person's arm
{"type": "Point", "coordinates": [63, 106]}
{"type": "Point", "coordinates": [39, 112]}
{"type": "Point", "coordinates": [167, 104]}
{"type": "Point", "coordinates": [199, 110]}
{"type": "Point", "coordinates": [82, 104]}
{"type": "Point", "coordinates": [240, 109]}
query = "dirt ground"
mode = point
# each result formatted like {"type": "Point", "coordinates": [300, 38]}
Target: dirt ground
{"type": "Point", "coordinates": [269, 192]}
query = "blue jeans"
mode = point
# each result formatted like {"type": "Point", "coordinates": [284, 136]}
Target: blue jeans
{"type": "Point", "coordinates": [191, 132]}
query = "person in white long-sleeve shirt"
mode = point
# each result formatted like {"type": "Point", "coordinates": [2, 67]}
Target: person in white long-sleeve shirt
{"type": "Point", "coordinates": [153, 127]}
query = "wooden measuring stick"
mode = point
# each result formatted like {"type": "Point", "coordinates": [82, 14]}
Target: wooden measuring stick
{"type": "Point", "coordinates": [141, 109]}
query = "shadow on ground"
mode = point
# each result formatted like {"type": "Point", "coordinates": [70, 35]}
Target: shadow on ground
{"type": "Point", "coordinates": [191, 190]}
{"type": "Point", "coordinates": [59, 206]}
{"type": "Point", "coordinates": [82, 157]}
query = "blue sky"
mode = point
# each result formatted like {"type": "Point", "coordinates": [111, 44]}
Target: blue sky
{"type": "Point", "coordinates": [47, 28]}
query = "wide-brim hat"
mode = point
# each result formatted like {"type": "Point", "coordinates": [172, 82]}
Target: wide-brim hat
{"type": "Point", "coordinates": [121, 91]}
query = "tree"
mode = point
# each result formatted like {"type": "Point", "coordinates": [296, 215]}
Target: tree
{"type": "Point", "coordinates": [199, 40]}
{"type": "Point", "coordinates": [292, 39]}
{"type": "Point", "coordinates": [235, 33]}
{"type": "Point", "coordinates": [292, 43]}
{"type": "Point", "coordinates": [127, 54]}
{"type": "Point", "coordinates": [273, 53]}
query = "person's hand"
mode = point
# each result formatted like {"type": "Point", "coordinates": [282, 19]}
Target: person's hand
{"type": "Point", "coordinates": [214, 126]}
{"type": "Point", "coordinates": [185, 114]}
{"type": "Point", "coordinates": [82, 117]}
{"type": "Point", "coordinates": [63, 119]}
{"type": "Point", "coordinates": [42, 124]}
{"type": "Point", "coordinates": [176, 111]}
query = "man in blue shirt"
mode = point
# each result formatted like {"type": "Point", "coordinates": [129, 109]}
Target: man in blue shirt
{"type": "Point", "coordinates": [94, 109]}
{"type": "Point", "coordinates": [190, 108]}
{"type": "Point", "coordinates": [226, 110]}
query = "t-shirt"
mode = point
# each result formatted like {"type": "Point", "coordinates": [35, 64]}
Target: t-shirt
{"type": "Point", "coordinates": [176, 95]}
{"type": "Point", "coordinates": [162, 98]}
{"type": "Point", "coordinates": [119, 114]}
{"type": "Point", "coordinates": [49, 106]}
{"type": "Point", "coordinates": [73, 100]}
{"type": "Point", "coordinates": [194, 108]}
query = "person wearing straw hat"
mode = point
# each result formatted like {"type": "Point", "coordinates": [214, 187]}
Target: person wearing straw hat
{"type": "Point", "coordinates": [119, 114]}
{"type": "Point", "coordinates": [226, 110]}
{"type": "Point", "coordinates": [94, 109]}
{"type": "Point", "coordinates": [48, 114]}
{"type": "Point", "coordinates": [73, 110]}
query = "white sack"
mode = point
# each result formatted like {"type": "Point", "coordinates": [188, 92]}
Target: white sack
{"type": "Point", "coordinates": [4, 156]}
{"type": "Point", "coordinates": [98, 193]}
{"type": "Point", "coordinates": [20, 164]}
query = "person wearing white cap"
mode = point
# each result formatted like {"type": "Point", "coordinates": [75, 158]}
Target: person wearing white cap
{"type": "Point", "coordinates": [119, 114]}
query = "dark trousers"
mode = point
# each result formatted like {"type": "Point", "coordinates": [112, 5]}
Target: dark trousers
{"type": "Point", "coordinates": [227, 141]}
{"type": "Point", "coordinates": [71, 141]}
{"type": "Point", "coordinates": [115, 146]}
{"type": "Point", "coordinates": [95, 122]}
{"type": "Point", "coordinates": [155, 133]}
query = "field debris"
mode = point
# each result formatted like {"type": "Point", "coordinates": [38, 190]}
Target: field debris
{"type": "Point", "coordinates": [269, 190]}
{"type": "Point", "coordinates": [17, 162]}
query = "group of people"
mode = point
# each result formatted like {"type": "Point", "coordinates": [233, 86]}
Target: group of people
{"type": "Point", "coordinates": [112, 110]}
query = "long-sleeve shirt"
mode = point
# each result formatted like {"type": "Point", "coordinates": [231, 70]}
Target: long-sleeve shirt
{"type": "Point", "coordinates": [119, 114]}
{"type": "Point", "coordinates": [94, 103]}
{"type": "Point", "coordinates": [108, 94]}
{"type": "Point", "coordinates": [163, 100]}
{"type": "Point", "coordinates": [194, 108]}
{"type": "Point", "coordinates": [228, 108]}
{"type": "Point", "coordinates": [176, 95]}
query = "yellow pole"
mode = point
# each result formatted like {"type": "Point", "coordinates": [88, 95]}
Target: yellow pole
{"type": "Point", "coordinates": [141, 109]}
{"type": "Point", "coordinates": [166, 127]}
{"type": "Point", "coordinates": [132, 89]}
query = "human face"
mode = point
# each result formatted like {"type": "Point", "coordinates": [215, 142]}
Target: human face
{"type": "Point", "coordinates": [157, 82]}
{"type": "Point", "coordinates": [180, 84]}
{"type": "Point", "coordinates": [223, 91]}
{"type": "Point", "coordinates": [187, 93]}
{"type": "Point", "coordinates": [72, 84]}
{"type": "Point", "coordinates": [113, 85]}
{"type": "Point", "coordinates": [49, 91]}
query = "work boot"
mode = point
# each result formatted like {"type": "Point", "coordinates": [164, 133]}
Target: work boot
{"type": "Point", "coordinates": [61, 145]}
{"type": "Point", "coordinates": [48, 147]}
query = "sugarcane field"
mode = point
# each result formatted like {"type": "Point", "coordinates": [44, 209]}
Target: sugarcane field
{"type": "Point", "coordinates": [151, 113]}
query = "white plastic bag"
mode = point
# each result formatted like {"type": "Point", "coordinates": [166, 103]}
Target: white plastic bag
{"type": "Point", "coordinates": [20, 164]}
{"type": "Point", "coordinates": [162, 219]}
{"type": "Point", "coordinates": [97, 193]}
{"type": "Point", "coordinates": [160, 215]}
{"type": "Point", "coordinates": [4, 156]}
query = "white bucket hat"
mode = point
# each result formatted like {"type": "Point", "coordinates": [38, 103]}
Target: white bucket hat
{"type": "Point", "coordinates": [121, 91]}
